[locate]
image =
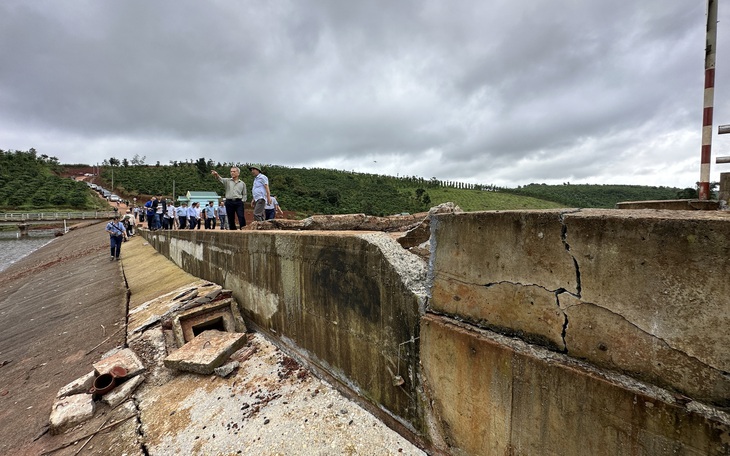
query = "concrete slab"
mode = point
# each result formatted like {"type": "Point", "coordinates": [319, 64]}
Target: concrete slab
{"type": "Point", "coordinates": [122, 392]}
{"type": "Point", "coordinates": [78, 386]}
{"type": "Point", "coordinates": [208, 350]}
{"type": "Point", "coordinates": [125, 358]}
{"type": "Point", "coordinates": [70, 411]}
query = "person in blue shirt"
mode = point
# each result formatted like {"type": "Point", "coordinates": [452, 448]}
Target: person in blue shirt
{"type": "Point", "coordinates": [222, 215]}
{"type": "Point", "coordinates": [210, 216]}
{"type": "Point", "coordinates": [260, 193]}
{"type": "Point", "coordinates": [193, 217]}
{"type": "Point", "coordinates": [117, 235]}
{"type": "Point", "coordinates": [182, 215]}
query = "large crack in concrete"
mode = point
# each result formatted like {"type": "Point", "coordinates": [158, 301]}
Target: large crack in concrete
{"type": "Point", "coordinates": [564, 240]}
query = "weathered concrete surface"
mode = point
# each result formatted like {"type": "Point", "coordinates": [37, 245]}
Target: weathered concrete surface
{"type": "Point", "coordinates": [664, 271]}
{"type": "Point", "coordinates": [208, 350]}
{"type": "Point", "coordinates": [125, 358]}
{"type": "Point", "coordinates": [599, 285]}
{"type": "Point", "coordinates": [493, 395]}
{"type": "Point", "coordinates": [122, 391]}
{"type": "Point", "coordinates": [60, 309]}
{"type": "Point", "coordinates": [226, 309]}
{"type": "Point", "coordinates": [519, 247]}
{"type": "Point", "coordinates": [527, 311]}
{"type": "Point", "coordinates": [609, 340]}
{"type": "Point", "coordinates": [80, 385]}
{"type": "Point", "coordinates": [70, 411]}
{"type": "Point", "coordinates": [349, 302]}
{"type": "Point", "coordinates": [724, 193]}
{"type": "Point", "coordinates": [674, 205]}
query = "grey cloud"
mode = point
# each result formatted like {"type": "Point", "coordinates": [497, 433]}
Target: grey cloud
{"type": "Point", "coordinates": [519, 91]}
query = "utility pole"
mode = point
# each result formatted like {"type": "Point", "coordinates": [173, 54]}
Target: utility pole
{"type": "Point", "coordinates": [709, 97]}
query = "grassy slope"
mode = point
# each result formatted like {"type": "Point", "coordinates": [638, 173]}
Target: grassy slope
{"type": "Point", "coordinates": [478, 200]}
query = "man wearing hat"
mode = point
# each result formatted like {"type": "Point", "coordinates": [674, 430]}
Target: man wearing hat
{"type": "Point", "coordinates": [235, 196]}
{"type": "Point", "coordinates": [260, 193]}
{"type": "Point", "coordinates": [117, 235]}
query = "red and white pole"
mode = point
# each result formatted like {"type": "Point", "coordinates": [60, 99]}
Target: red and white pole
{"type": "Point", "coordinates": [710, 51]}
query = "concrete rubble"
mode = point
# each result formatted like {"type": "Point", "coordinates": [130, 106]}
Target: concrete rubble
{"type": "Point", "coordinates": [207, 351]}
{"type": "Point", "coordinates": [77, 401]}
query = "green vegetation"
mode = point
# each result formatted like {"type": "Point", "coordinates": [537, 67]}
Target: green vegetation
{"type": "Point", "coordinates": [599, 196]}
{"type": "Point", "coordinates": [32, 182]}
{"type": "Point", "coordinates": [480, 200]}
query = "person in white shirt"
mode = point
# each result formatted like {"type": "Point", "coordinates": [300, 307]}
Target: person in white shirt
{"type": "Point", "coordinates": [272, 208]}
{"type": "Point", "coordinates": [260, 193]}
{"type": "Point", "coordinates": [170, 216]}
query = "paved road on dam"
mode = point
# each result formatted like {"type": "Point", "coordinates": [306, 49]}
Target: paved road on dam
{"type": "Point", "coordinates": [56, 306]}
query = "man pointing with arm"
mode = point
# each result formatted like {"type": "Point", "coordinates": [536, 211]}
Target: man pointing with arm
{"type": "Point", "coordinates": [235, 196]}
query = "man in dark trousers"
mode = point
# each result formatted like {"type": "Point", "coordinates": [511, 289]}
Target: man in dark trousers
{"type": "Point", "coordinates": [235, 196]}
{"type": "Point", "coordinates": [260, 194]}
{"type": "Point", "coordinates": [117, 235]}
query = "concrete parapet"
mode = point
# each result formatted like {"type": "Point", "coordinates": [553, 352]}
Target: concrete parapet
{"type": "Point", "coordinates": [494, 395]}
{"type": "Point", "coordinates": [642, 292]}
{"type": "Point", "coordinates": [675, 205]}
{"type": "Point", "coordinates": [349, 303]}
{"type": "Point", "coordinates": [534, 332]}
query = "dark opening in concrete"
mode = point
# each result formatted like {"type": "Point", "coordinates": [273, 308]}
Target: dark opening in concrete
{"type": "Point", "coordinates": [215, 323]}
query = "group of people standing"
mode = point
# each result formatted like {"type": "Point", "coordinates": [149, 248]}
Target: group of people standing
{"type": "Point", "coordinates": [265, 206]}
{"type": "Point", "coordinates": [162, 214]}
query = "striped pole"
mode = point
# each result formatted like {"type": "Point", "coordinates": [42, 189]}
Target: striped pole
{"type": "Point", "coordinates": [709, 99]}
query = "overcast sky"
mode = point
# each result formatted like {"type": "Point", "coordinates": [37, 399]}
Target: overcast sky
{"type": "Point", "coordinates": [496, 92]}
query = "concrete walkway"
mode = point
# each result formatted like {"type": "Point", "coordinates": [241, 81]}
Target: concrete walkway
{"type": "Point", "coordinates": [60, 309]}
{"type": "Point", "coordinates": [269, 406]}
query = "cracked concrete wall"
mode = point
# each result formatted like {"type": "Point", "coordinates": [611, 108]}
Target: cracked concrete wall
{"type": "Point", "coordinates": [639, 293]}
{"type": "Point", "coordinates": [494, 395]}
{"type": "Point", "coordinates": [348, 303]}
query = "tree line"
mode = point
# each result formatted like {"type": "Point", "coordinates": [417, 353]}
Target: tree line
{"type": "Point", "coordinates": [32, 181]}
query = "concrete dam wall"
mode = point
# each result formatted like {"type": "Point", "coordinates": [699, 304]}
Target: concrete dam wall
{"type": "Point", "coordinates": [597, 332]}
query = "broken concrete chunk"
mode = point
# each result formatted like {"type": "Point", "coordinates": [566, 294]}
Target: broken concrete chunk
{"type": "Point", "coordinates": [206, 351]}
{"type": "Point", "coordinates": [70, 411]}
{"type": "Point", "coordinates": [125, 358]}
{"type": "Point", "coordinates": [122, 392]}
{"type": "Point", "coordinates": [213, 294]}
{"type": "Point", "coordinates": [113, 351]}
{"type": "Point", "coordinates": [80, 385]}
{"type": "Point", "coordinates": [184, 293]}
{"type": "Point", "coordinates": [226, 369]}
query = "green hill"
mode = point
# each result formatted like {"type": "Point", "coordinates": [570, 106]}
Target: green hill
{"type": "Point", "coordinates": [32, 182]}
{"type": "Point", "coordinates": [599, 196]}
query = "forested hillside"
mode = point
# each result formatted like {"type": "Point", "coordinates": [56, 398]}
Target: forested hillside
{"type": "Point", "coordinates": [29, 181]}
